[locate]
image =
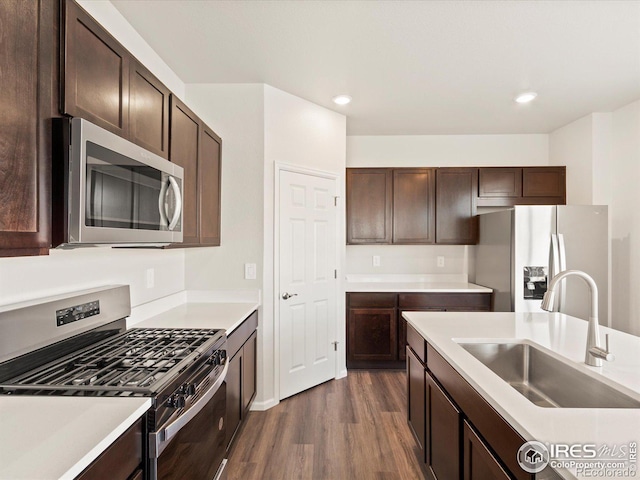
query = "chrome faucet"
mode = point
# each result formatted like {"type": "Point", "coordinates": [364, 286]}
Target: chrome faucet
{"type": "Point", "coordinates": [594, 353]}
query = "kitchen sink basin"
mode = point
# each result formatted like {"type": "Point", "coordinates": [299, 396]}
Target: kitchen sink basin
{"type": "Point", "coordinates": [545, 380]}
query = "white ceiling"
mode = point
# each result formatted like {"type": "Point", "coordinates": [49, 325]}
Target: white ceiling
{"type": "Point", "coordinates": [412, 67]}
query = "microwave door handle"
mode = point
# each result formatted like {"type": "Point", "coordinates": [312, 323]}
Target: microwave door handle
{"type": "Point", "coordinates": [164, 221]}
{"type": "Point", "coordinates": [178, 210]}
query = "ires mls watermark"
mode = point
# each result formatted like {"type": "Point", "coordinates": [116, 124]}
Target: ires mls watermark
{"type": "Point", "coordinates": [587, 460]}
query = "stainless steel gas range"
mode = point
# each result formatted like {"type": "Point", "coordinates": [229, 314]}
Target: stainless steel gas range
{"type": "Point", "coordinates": [78, 345]}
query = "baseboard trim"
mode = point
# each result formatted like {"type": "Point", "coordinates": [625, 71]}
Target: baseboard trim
{"type": "Point", "coordinates": [262, 406]}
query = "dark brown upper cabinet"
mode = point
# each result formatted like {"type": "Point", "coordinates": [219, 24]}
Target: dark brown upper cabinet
{"type": "Point", "coordinates": [96, 72]}
{"type": "Point", "coordinates": [414, 205]}
{"type": "Point", "coordinates": [29, 99]}
{"type": "Point", "coordinates": [209, 187]}
{"type": "Point", "coordinates": [544, 182]}
{"type": "Point", "coordinates": [148, 110]}
{"type": "Point", "coordinates": [196, 148]}
{"type": "Point", "coordinates": [500, 182]}
{"type": "Point", "coordinates": [369, 204]}
{"type": "Point", "coordinates": [105, 84]}
{"type": "Point", "coordinates": [508, 186]}
{"type": "Point", "coordinates": [185, 146]}
{"type": "Point", "coordinates": [456, 197]}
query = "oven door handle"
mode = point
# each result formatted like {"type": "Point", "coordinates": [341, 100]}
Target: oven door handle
{"type": "Point", "coordinates": [158, 441]}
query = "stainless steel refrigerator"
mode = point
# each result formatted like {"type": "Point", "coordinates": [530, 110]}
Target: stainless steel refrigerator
{"type": "Point", "coordinates": [521, 249]}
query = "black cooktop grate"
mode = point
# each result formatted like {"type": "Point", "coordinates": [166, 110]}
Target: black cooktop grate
{"type": "Point", "coordinates": [134, 361]}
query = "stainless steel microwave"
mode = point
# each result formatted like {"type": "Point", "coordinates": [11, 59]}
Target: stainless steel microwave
{"type": "Point", "coordinates": [112, 191]}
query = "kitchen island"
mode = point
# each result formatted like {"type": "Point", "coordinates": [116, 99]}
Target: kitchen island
{"type": "Point", "coordinates": [561, 335]}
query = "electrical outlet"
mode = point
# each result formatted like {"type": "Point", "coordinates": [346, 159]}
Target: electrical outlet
{"type": "Point", "coordinates": [249, 271]}
{"type": "Point", "coordinates": [440, 260]}
{"type": "Point", "coordinates": [151, 277]}
{"type": "Point", "coordinates": [376, 260]}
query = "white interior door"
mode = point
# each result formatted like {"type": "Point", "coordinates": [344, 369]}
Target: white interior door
{"type": "Point", "coordinates": [307, 287]}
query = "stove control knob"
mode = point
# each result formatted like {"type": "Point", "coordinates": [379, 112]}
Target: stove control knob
{"type": "Point", "coordinates": [191, 389]}
{"type": "Point", "coordinates": [178, 401]}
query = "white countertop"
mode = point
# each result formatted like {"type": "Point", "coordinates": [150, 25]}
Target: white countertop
{"type": "Point", "coordinates": [419, 283]}
{"type": "Point", "coordinates": [58, 437]}
{"type": "Point", "coordinates": [227, 316]}
{"type": "Point", "coordinates": [561, 334]}
{"type": "Point", "coordinates": [418, 287]}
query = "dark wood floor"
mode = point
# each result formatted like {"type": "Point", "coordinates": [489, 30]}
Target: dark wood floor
{"type": "Point", "coordinates": [352, 428]}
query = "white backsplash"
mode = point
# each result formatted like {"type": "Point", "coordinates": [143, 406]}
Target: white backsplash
{"type": "Point", "coordinates": [411, 260]}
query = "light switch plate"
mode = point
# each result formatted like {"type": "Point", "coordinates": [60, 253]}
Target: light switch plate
{"type": "Point", "coordinates": [376, 260]}
{"type": "Point", "coordinates": [249, 271]}
{"type": "Point", "coordinates": [440, 260]}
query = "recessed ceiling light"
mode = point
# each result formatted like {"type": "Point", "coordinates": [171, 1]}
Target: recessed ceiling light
{"type": "Point", "coordinates": [526, 97]}
{"type": "Point", "coordinates": [342, 99]}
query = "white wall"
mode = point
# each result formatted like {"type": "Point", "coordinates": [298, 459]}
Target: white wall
{"type": "Point", "coordinates": [407, 259]}
{"type": "Point", "coordinates": [447, 150]}
{"type": "Point", "coordinates": [625, 217]}
{"type": "Point", "coordinates": [62, 271]}
{"type": "Point", "coordinates": [235, 112]}
{"type": "Point", "coordinates": [572, 146]}
{"type": "Point", "coordinates": [602, 154]}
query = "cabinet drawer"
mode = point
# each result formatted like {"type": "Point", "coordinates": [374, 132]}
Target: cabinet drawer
{"type": "Point", "coordinates": [372, 300]}
{"type": "Point", "coordinates": [417, 343]}
{"type": "Point", "coordinates": [240, 335]}
{"type": "Point", "coordinates": [458, 301]}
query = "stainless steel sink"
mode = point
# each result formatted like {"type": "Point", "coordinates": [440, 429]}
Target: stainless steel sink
{"type": "Point", "coordinates": [546, 381]}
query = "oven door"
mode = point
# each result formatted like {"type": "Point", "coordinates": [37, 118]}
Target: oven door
{"type": "Point", "coordinates": [193, 445]}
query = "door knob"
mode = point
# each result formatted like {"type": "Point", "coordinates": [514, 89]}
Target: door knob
{"type": "Point", "coordinates": [287, 296]}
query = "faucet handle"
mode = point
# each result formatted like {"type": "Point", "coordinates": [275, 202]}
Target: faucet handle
{"type": "Point", "coordinates": [603, 353]}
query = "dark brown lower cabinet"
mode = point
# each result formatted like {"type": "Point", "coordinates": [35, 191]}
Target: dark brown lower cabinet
{"type": "Point", "coordinates": [459, 434]}
{"type": "Point", "coordinates": [122, 460]}
{"type": "Point", "coordinates": [416, 381]}
{"type": "Point", "coordinates": [241, 376]}
{"type": "Point", "coordinates": [372, 337]}
{"type": "Point", "coordinates": [442, 430]}
{"type": "Point", "coordinates": [376, 331]}
{"type": "Point", "coordinates": [479, 462]}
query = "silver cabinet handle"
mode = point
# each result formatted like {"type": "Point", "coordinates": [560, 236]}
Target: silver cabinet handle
{"type": "Point", "coordinates": [287, 296]}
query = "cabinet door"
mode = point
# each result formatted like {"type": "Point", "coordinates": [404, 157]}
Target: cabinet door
{"type": "Point", "coordinates": [479, 462]}
{"type": "Point", "coordinates": [416, 398]}
{"type": "Point", "coordinates": [234, 396]}
{"type": "Point", "coordinates": [27, 93]}
{"type": "Point", "coordinates": [443, 421]}
{"type": "Point", "coordinates": [185, 142]}
{"type": "Point", "coordinates": [96, 72]}
{"type": "Point", "coordinates": [209, 178]}
{"type": "Point", "coordinates": [372, 336]}
{"type": "Point", "coordinates": [414, 205]}
{"type": "Point", "coordinates": [544, 182]}
{"type": "Point", "coordinates": [402, 338]}
{"type": "Point", "coordinates": [456, 195]}
{"type": "Point", "coordinates": [249, 372]}
{"type": "Point", "coordinates": [149, 111]}
{"type": "Point", "coordinates": [369, 201]}
{"type": "Point", "coordinates": [500, 182]}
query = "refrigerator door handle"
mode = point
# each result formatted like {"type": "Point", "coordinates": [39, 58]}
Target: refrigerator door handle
{"type": "Point", "coordinates": [563, 266]}
{"type": "Point", "coordinates": [555, 261]}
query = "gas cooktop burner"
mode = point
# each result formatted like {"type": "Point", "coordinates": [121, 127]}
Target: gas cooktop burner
{"type": "Point", "coordinates": [134, 361]}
